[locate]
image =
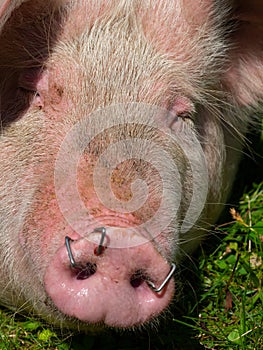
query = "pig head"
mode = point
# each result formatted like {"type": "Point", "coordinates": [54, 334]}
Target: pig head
{"type": "Point", "coordinates": [121, 128]}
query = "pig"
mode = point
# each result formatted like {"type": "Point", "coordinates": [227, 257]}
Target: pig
{"type": "Point", "coordinates": [122, 124]}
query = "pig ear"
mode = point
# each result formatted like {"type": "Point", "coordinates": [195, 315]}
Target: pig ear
{"type": "Point", "coordinates": [29, 30]}
{"type": "Point", "coordinates": [6, 8]}
{"type": "Point", "coordinates": [244, 77]}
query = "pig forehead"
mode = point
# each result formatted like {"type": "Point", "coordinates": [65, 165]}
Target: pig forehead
{"type": "Point", "coordinates": [195, 10]}
{"type": "Point", "coordinates": [179, 28]}
{"type": "Point", "coordinates": [146, 30]}
{"type": "Point", "coordinates": [152, 13]}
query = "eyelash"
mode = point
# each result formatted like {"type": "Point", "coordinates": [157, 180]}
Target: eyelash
{"type": "Point", "coordinates": [26, 91]}
{"type": "Point", "coordinates": [186, 115]}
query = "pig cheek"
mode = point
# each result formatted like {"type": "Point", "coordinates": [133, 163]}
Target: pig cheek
{"type": "Point", "coordinates": [45, 228]}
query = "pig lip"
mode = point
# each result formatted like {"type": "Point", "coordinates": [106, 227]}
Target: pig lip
{"type": "Point", "coordinates": [107, 297]}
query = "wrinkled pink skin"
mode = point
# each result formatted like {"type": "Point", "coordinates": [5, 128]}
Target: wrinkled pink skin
{"type": "Point", "coordinates": [40, 106]}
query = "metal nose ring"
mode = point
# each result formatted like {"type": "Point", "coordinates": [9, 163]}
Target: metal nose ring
{"type": "Point", "coordinates": [165, 281]}
{"type": "Point", "coordinates": [98, 251]}
{"type": "Point", "coordinates": [70, 255]}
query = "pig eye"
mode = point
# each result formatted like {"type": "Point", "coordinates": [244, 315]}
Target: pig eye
{"type": "Point", "coordinates": [183, 108]}
{"type": "Point", "coordinates": [28, 91]}
{"type": "Point", "coordinates": [28, 79]}
{"type": "Point", "coordinates": [32, 96]}
{"type": "Point", "coordinates": [186, 115]}
{"type": "Point", "coordinates": [28, 84]}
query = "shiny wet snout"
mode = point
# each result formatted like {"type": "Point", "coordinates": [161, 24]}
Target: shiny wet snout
{"type": "Point", "coordinates": [98, 283]}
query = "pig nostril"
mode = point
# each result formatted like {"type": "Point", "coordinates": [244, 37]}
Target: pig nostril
{"type": "Point", "coordinates": [136, 282]}
{"type": "Point", "coordinates": [82, 271]}
{"type": "Point", "coordinates": [85, 271]}
{"type": "Point", "coordinates": [137, 279]}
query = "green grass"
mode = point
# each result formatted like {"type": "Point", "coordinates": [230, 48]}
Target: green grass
{"type": "Point", "coordinates": [231, 300]}
{"type": "Point", "coordinates": [227, 315]}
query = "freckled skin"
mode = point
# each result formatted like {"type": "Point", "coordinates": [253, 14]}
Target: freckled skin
{"type": "Point", "coordinates": [171, 87]}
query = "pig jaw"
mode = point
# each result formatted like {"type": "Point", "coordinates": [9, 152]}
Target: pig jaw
{"type": "Point", "coordinates": [109, 288]}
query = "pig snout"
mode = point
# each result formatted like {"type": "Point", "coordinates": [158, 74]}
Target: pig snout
{"type": "Point", "coordinates": [119, 287]}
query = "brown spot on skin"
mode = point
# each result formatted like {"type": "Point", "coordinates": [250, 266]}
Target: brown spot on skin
{"type": "Point", "coordinates": [59, 90]}
{"type": "Point", "coordinates": [56, 94]}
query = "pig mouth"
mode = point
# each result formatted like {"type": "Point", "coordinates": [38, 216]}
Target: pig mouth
{"type": "Point", "coordinates": [113, 287]}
